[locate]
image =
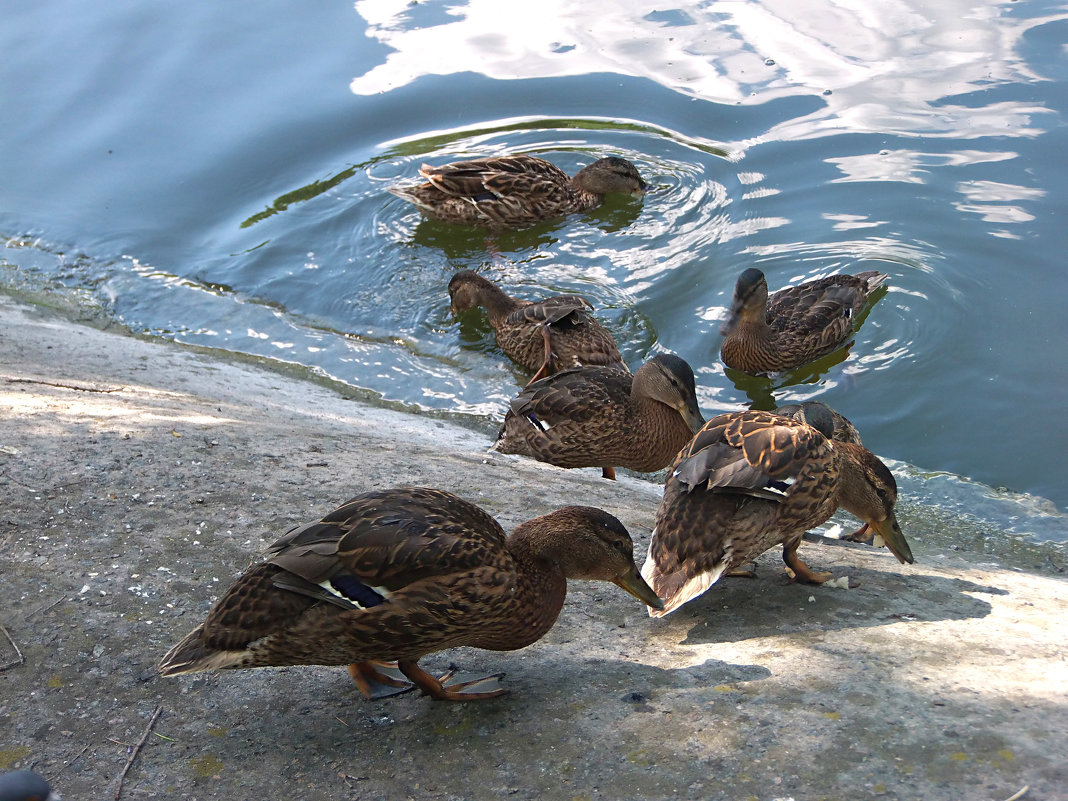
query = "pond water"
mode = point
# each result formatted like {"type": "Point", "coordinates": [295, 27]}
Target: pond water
{"type": "Point", "coordinates": [217, 177]}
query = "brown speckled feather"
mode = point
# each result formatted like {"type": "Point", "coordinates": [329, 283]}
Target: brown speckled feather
{"type": "Point", "coordinates": [515, 191]}
{"type": "Point", "coordinates": [397, 574]}
{"type": "Point", "coordinates": [520, 326]}
{"type": "Point", "coordinates": [793, 326]}
{"type": "Point", "coordinates": [749, 481]}
{"type": "Point", "coordinates": [599, 417]}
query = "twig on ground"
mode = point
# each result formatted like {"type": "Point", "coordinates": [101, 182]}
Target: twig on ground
{"type": "Point", "coordinates": [20, 483]}
{"type": "Point", "coordinates": [45, 608]}
{"type": "Point", "coordinates": [21, 659]}
{"type": "Point", "coordinates": [70, 762]}
{"type": "Point", "coordinates": [1019, 793]}
{"type": "Point", "coordinates": [137, 750]}
{"type": "Point", "coordinates": [60, 385]}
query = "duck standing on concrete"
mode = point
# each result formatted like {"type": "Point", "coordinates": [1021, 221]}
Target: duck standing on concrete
{"type": "Point", "coordinates": [752, 480]}
{"type": "Point", "coordinates": [25, 785]}
{"type": "Point", "coordinates": [401, 573]}
{"type": "Point", "coordinates": [600, 417]}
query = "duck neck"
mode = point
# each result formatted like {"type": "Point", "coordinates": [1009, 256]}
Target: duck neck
{"type": "Point", "coordinates": [540, 586]}
{"type": "Point", "coordinates": [661, 428]}
{"type": "Point", "coordinates": [853, 484]}
{"type": "Point", "coordinates": [497, 303]}
{"type": "Point", "coordinates": [753, 325]}
{"type": "Point", "coordinates": [582, 198]}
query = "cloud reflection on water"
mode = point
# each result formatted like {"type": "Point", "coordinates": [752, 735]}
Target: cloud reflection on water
{"type": "Point", "coordinates": [878, 66]}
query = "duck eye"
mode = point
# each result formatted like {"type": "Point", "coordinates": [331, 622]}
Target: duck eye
{"type": "Point", "coordinates": [881, 492]}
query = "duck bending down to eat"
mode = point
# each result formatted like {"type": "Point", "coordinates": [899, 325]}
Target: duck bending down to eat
{"type": "Point", "coordinates": [600, 417]}
{"type": "Point", "coordinates": [752, 480]}
{"type": "Point", "coordinates": [794, 326]}
{"type": "Point", "coordinates": [814, 413]}
{"type": "Point", "coordinates": [25, 785]}
{"type": "Point", "coordinates": [545, 336]}
{"type": "Point", "coordinates": [401, 573]}
{"type": "Point", "coordinates": [516, 191]}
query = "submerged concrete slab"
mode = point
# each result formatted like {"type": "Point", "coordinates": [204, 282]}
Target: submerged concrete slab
{"type": "Point", "coordinates": [138, 479]}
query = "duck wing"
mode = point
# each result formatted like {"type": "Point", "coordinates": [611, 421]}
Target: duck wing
{"type": "Point", "coordinates": [485, 179]}
{"type": "Point", "coordinates": [577, 395]}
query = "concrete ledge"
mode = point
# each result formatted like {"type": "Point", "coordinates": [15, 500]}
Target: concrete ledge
{"type": "Point", "coordinates": [139, 478]}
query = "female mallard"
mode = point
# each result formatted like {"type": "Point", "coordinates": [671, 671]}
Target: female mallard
{"type": "Point", "coordinates": [600, 417]}
{"type": "Point", "coordinates": [751, 480]}
{"type": "Point", "coordinates": [547, 336]}
{"type": "Point", "coordinates": [814, 413]}
{"type": "Point", "coordinates": [401, 573]}
{"type": "Point", "coordinates": [25, 785]}
{"type": "Point", "coordinates": [794, 326]}
{"type": "Point", "coordinates": [516, 191]}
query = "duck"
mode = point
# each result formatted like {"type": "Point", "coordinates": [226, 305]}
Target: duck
{"type": "Point", "coordinates": [607, 418]}
{"type": "Point", "coordinates": [516, 191]}
{"type": "Point", "coordinates": [393, 575]}
{"type": "Point", "coordinates": [815, 414]}
{"type": "Point", "coordinates": [25, 785]}
{"type": "Point", "coordinates": [793, 326]}
{"type": "Point", "coordinates": [546, 336]}
{"type": "Point", "coordinates": [751, 480]}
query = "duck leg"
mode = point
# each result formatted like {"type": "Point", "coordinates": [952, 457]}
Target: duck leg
{"type": "Point", "coordinates": [375, 681]}
{"type": "Point", "coordinates": [860, 535]}
{"type": "Point", "coordinates": [748, 570]}
{"type": "Point", "coordinates": [800, 571]}
{"type": "Point", "coordinates": [457, 691]}
{"type": "Point", "coordinates": [609, 473]}
{"type": "Point", "coordinates": [543, 371]}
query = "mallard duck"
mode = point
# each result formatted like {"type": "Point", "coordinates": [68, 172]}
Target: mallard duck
{"type": "Point", "coordinates": [401, 573]}
{"type": "Point", "coordinates": [794, 326]}
{"type": "Point", "coordinates": [814, 414]}
{"type": "Point", "coordinates": [25, 785]}
{"type": "Point", "coordinates": [752, 480]}
{"type": "Point", "coordinates": [546, 336]}
{"type": "Point", "coordinates": [600, 417]}
{"type": "Point", "coordinates": [842, 431]}
{"type": "Point", "coordinates": [516, 191]}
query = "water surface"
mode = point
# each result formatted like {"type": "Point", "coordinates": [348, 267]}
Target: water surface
{"type": "Point", "coordinates": [218, 178]}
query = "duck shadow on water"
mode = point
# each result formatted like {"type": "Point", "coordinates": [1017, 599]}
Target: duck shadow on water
{"type": "Point", "coordinates": [464, 242]}
{"type": "Point", "coordinates": [761, 389]}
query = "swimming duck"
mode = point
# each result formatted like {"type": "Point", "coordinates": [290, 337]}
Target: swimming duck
{"type": "Point", "coordinates": [516, 191]}
{"type": "Point", "coordinates": [752, 480]}
{"type": "Point", "coordinates": [546, 336]}
{"type": "Point", "coordinates": [794, 326]}
{"type": "Point", "coordinates": [401, 573]}
{"type": "Point", "coordinates": [600, 417]}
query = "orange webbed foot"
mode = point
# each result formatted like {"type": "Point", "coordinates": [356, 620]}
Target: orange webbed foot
{"type": "Point", "coordinates": [379, 679]}
{"type": "Point", "coordinates": [798, 570]}
{"type": "Point", "coordinates": [440, 690]}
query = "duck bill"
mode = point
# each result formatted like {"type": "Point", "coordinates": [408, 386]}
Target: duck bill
{"type": "Point", "coordinates": [692, 415]}
{"type": "Point", "coordinates": [632, 582]}
{"type": "Point", "coordinates": [891, 534]}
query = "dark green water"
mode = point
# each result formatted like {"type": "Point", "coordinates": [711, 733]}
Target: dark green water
{"type": "Point", "coordinates": [218, 178]}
